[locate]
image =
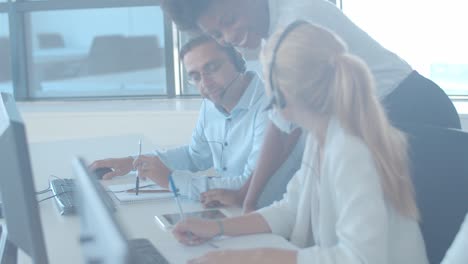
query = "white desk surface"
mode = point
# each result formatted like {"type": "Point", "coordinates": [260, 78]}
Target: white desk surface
{"type": "Point", "coordinates": [61, 232]}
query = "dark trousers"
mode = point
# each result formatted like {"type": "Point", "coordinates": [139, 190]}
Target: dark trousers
{"type": "Point", "coordinates": [418, 100]}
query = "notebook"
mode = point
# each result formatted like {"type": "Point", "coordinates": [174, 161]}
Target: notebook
{"type": "Point", "coordinates": [125, 193]}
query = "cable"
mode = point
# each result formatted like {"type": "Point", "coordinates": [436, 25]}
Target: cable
{"type": "Point", "coordinates": [48, 189]}
{"type": "Point", "coordinates": [50, 197]}
{"type": "Point", "coordinates": [212, 141]}
{"type": "Point", "coordinates": [44, 191]}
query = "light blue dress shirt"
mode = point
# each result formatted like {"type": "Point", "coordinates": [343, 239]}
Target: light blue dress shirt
{"type": "Point", "coordinates": [228, 142]}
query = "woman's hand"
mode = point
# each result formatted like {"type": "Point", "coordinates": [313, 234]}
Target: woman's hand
{"type": "Point", "coordinates": [195, 231]}
{"type": "Point", "coordinates": [254, 256]}
{"type": "Point", "coordinates": [119, 166]}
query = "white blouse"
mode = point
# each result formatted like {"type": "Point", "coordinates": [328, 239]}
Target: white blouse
{"type": "Point", "coordinates": [342, 216]}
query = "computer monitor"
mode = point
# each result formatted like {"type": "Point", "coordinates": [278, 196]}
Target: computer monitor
{"type": "Point", "coordinates": [23, 230]}
{"type": "Point", "coordinates": [101, 237]}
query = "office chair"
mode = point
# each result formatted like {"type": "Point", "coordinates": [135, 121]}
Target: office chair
{"type": "Point", "coordinates": [5, 64]}
{"type": "Point", "coordinates": [144, 52]}
{"type": "Point", "coordinates": [50, 41]}
{"type": "Point", "coordinates": [107, 55]}
{"type": "Point", "coordinates": [439, 167]}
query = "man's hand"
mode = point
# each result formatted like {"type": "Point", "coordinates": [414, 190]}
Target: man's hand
{"type": "Point", "coordinates": [221, 197]}
{"type": "Point", "coordinates": [119, 166]}
{"type": "Point", "coordinates": [152, 167]}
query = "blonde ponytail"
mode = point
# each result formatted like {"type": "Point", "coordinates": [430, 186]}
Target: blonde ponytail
{"type": "Point", "coordinates": [361, 113]}
{"type": "Point", "coordinates": [312, 64]}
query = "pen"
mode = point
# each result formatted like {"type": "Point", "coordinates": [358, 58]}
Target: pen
{"type": "Point", "coordinates": [137, 183]}
{"type": "Point", "coordinates": [182, 216]}
{"type": "Point", "coordinates": [176, 197]}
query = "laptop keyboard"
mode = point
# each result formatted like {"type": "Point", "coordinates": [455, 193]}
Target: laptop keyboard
{"type": "Point", "coordinates": [143, 252]}
{"type": "Point", "coordinates": [64, 197]}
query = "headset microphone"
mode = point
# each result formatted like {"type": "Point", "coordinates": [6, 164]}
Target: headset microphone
{"type": "Point", "coordinates": [229, 85]}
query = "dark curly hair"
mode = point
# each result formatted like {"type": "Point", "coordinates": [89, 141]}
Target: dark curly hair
{"type": "Point", "coordinates": [185, 13]}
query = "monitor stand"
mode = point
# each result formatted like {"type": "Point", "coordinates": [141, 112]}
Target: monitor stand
{"type": "Point", "coordinates": [8, 251]}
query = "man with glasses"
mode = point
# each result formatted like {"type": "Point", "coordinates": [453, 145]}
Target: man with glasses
{"type": "Point", "coordinates": [228, 134]}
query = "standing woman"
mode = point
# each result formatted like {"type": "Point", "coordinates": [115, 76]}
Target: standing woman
{"type": "Point", "coordinates": [352, 200]}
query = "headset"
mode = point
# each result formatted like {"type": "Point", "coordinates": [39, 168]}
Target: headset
{"type": "Point", "coordinates": [236, 58]}
{"type": "Point", "coordinates": [239, 63]}
{"type": "Point", "coordinates": [277, 97]}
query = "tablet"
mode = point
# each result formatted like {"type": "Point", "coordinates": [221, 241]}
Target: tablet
{"type": "Point", "coordinates": [167, 221]}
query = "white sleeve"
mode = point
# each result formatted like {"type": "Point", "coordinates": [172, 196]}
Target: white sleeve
{"type": "Point", "coordinates": [281, 215]}
{"type": "Point", "coordinates": [282, 124]}
{"type": "Point", "coordinates": [362, 216]}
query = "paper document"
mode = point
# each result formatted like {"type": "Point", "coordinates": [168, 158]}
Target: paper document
{"type": "Point", "coordinates": [125, 193]}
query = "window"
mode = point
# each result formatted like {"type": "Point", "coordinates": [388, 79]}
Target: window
{"type": "Point", "coordinates": [427, 34]}
{"type": "Point", "coordinates": [86, 48]}
{"type": "Point", "coordinates": [97, 52]}
{"type": "Point", "coordinates": [5, 63]}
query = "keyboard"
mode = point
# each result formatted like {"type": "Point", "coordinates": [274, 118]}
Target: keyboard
{"type": "Point", "coordinates": [64, 197]}
{"type": "Point", "coordinates": [143, 252]}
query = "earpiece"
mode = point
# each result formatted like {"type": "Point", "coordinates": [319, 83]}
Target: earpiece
{"type": "Point", "coordinates": [277, 94]}
{"type": "Point", "coordinates": [236, 58]}
{"type": "Point", "coordinates": [279, 98]}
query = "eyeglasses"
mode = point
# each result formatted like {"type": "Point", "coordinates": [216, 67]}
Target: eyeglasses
{"type": "Point", "coordinates": [194, 78]}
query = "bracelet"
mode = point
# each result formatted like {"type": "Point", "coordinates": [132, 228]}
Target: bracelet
{"type": "Point", "coordinates": [221, 228]}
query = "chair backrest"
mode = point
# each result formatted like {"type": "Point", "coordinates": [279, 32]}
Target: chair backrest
{"type": "Point", "coordinates": [107, 54]}
{"type": "Point", "coordinates": [50, 41]}
{"type": "Point", "coordinates": [439, 161]}
{"type": "Point", "coordinates": [144, 52]}
{"type": "Point", "coordinates": [5, 64]}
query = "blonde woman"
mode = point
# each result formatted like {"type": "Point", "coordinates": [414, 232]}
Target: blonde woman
{"type": "Point", "coordinates": [352, 200]}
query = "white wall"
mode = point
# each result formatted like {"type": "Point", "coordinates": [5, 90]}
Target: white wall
{"type": "Point", "coordinates": [163, 122]}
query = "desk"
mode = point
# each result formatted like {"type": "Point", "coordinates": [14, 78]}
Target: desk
{"type": "Point", "coordinates": [61, 232]}
{"type": "Point", "coordinates": [6, 86]}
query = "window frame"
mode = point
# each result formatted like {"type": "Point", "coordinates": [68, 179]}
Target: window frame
{"type": "Point", "coordinates": [20, 41]}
